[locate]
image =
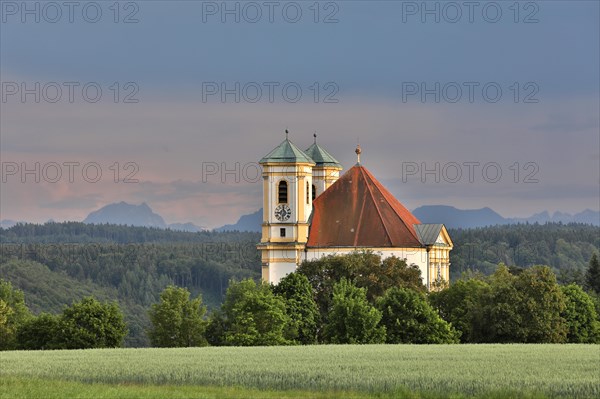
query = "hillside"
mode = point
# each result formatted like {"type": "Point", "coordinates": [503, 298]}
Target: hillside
{"type": "Point", "coordinates": [567, 248]}
{"type": "Point", "coordinates": [56, 263]}
{"type": "Point", "coordinates": [48, 291]}
{"type": "Point", "coordinates": [77, 232]}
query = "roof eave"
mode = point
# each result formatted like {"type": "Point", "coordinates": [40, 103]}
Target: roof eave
{"type": "Point", "coordinates": [288, 161]}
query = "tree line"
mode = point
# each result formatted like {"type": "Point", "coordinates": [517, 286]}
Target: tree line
{"type": "Point", "coordinates": [85, 324]}
{"type": "Point", "coordinates": [58, 263]}
{"type": "Point", "coordinates": [565, 248]}
{"type": "Point", "coordinates": [78, 232]}
{"type": "Point", "coordinates": [353, 299]}
{"type": "Point", "coordinates": [134, 274]}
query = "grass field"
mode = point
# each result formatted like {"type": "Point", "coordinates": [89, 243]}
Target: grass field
{"type": "Point", "coordinates": [383, 371]}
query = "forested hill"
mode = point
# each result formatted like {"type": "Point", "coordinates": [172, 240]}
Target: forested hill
{"type": "Point", "coordinates": [57, 263]}
{"type": "Point", "coordinates": [567, 248]}
{"type": "Point", "coordinates": [77, 232]}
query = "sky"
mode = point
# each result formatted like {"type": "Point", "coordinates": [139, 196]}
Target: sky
{"type": "Point", "coordinates": [172, 103]}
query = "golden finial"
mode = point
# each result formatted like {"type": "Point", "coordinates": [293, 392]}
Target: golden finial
{"type": "Point", "coordinates": [358, 151]}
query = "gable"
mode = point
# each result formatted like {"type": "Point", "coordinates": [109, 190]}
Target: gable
{"type": "Point", "coordinates": [433, 234]}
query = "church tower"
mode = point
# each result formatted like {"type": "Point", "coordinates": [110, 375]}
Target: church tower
{"type": "Point", "coordinates": [287, 205]}
{"type": "Point", "coordinates": [326, 170]}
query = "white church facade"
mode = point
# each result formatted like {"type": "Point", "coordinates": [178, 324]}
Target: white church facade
{"type": "Point", "coordinates": [310, 211]}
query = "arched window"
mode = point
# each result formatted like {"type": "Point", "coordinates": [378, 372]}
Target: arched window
{"type": "Point", "coordinates": [307, 193]}
{"type": "Point", "coordinates": [314, 192]}
{"type": "Point", "coordinates": [282, 192]}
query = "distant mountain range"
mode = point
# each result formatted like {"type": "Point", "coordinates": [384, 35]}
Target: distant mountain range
{"type": "Point", "coordinates": [142, 215]}
{"type": "Point", "coordinates": [135, 215]}
{"type": "Point", "coordinates": [452, 218]}
{"type": "Point", "coordinates": [469, 218]}
{"type": "Point", "coordinates": [251, 222]}
{"type": "Point", "coordinates": [128, 214]}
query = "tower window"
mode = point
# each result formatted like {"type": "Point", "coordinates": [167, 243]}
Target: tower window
{"type": "Point", "coordinates": [282, 192]}
{"type": "Point", "coordinates": [307, 193]}
{"type": "Point", "coordinates": [282, 232]}
{"type": "Point", "coordinates": [314, 192]}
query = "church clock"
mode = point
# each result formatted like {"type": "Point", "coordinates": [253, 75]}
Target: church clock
{"type": "Point", "coordinates": [283, 213]}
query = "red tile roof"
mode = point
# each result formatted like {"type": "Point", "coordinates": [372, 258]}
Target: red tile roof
{"type": "Point", "coordinates": [357, 211]}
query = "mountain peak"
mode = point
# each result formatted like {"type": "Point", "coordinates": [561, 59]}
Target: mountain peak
{"type": "Point", "coordinates": [127, 214]}
{"type": "Point", "coordinates": [251, 222]}
{"type": "Point", "coordinates": [452, 217]}
{"type": "Point", "coordinates": [470, 218]}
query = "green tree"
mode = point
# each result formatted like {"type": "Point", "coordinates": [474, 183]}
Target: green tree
{"type": "Point", "coordinates": [365, 269]}
{"type": "Point", "coordinates": [541, 305]}
{"type": "Point", "coordinates": [380, 276]}
{"type": "Point", "coordinates": [596, 299]}
{"type": "Point", "coordinates": [215, 329]}
{"type": "Point", "coordinates": [580, 315]}
{"type": "Point", "coordinates": [254, 315]}
{"type": "Point", "coordinates": [503, 321]}
{"type": "Point", "coordinates": [461, 304]}
{"type": "Point", "coordinates": [524, 308]}
{"type": "Point", "coordinates": [91, 324]}
{"type": "Point", "coordinates": [592, 276]}
{"type": "Point", "coordinates": [409, 319]}
{"type": "Point", "coordinates": [177, 320]}
{"type": "Point", "coordinates": [352, 319]}
{"type": "Point", "coordinates": [325, 272]}
{"type": "Point", "coordinates": [41, 332]}
{"type": "Point", "coordinates": [13, 313]}
{"type": "Point", "coordinates": [7, 329]}
{"type": "Point", "coordinates": [300, 307]}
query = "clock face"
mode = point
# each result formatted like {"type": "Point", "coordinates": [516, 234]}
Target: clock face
{"type": "Point", "coordinates": [283, 212]}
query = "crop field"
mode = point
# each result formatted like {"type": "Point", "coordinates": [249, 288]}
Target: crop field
{"type": "Point", "coordinates": [382, 371]}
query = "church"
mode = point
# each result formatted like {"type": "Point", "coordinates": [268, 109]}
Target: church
{"type": "Point", "coordinates": [310, 211]}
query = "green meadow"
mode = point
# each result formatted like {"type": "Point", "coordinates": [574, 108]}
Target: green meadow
{"type": "Point", "coordinates": [320, 371]}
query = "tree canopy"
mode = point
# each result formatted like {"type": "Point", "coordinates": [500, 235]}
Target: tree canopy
{"type": "Point", "coordinates": [55, 264]}
{"type": "Point", "coordinates": [580, 315]}
{"type": "Point", "coordinates": [352, 319]}
{"type": "Point", "coordinates": [253, 315]}
{"type": "Point", "coordinates": [365, 269]}
{"type": "Point", "coordinates": [410, 319]}
{"type": "Point", "coordinates": [91, 324]}
{"type": "Point", "coordinates": [461, 305]}
{"type": "Point", "coordinates": [303, 312]}
{"type": "Point", "coordinates": [13, 312]}
{"type": "Point", "coordinates": [529, 307]}
{"type": "Point", "coordinates": [177, 320]}
{"type": "Point", "coordinates": [40, 332]}
{"type": "Point", "coordinates": [592, 275]}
